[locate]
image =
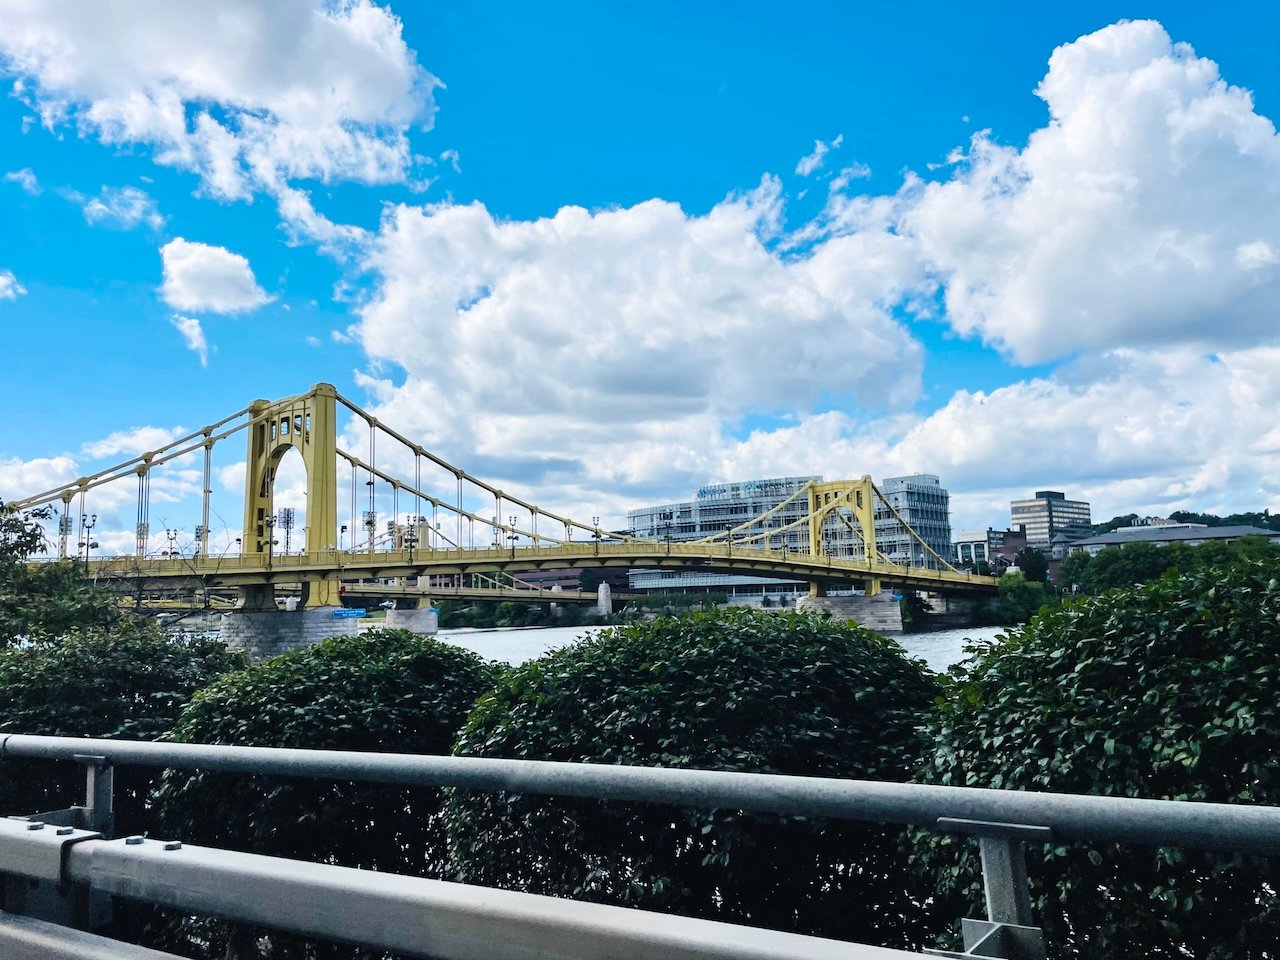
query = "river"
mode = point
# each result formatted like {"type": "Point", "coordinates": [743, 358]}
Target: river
{"type": "Point", "coordinates": [938, 648]}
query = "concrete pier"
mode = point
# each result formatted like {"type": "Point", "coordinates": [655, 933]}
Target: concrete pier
{"type": "Point", "coordinates": [880, 613]}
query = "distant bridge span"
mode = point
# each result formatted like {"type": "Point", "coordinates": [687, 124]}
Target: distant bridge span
{"type": "Point", "coordinates": [430, 534]}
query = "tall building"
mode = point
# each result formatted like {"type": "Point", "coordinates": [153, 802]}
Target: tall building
{"type": "Point", "coordinates": [924, 503]}
{"type": "Point", "coordinates": [920, 500]}
{"type": "Point", "coordinates": [717, 508]}
{"type": "Point", "coordinates": [1048, 513]}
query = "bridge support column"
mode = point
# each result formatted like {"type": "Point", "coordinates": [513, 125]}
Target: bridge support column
{"type": "Point", "coordinates": [424, 620]}
{"type": "Point", "coordinates": [264, 634]}
{"type": "Point", "coordinates": [879, 612]}
{"type": "Point", "coordinates": [321, 593]}
{"type": "Point", "coordinates": [604, 600]}
{"type": "Point", "coordinates": [256, 598]}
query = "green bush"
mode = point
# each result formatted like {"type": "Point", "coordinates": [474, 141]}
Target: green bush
{"type": "Point", "coordinates": [730, 689]}
{"type": "Point", "coordinates": [130, 682]}
{"type": "Point", "coordinates": [1169, 690]}
{"type": "Point", "coordinates": [386, 690]}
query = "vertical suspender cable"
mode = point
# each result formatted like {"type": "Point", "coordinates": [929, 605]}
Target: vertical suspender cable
{"type": "Point", "coordinates": [203, 545]}
{"type": "Point", "coordinates": [371, 517]}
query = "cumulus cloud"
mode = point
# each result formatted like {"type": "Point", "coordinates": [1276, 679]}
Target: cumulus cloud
{"type": "Point", "coordinates": [10, 288]}
{"type": "Point", "coordinates": [201, 277]}
{"type": "Point", "coordinates": [26, 179]}
{"type": "Point", "coordinates": [250, 97]}
{"type": "Point", "coordinates": [1146, 212]}
{"type": "Point", "coordinates": [123, 207]}
{"type": "Point", "coordinates": [193, 334]}
{"type": "Point", "coordinates": [25, 478]}
{"type": "Point", "coordinates": [593, 336]}
{"type": "Point", "coordinates": [632, 350]}
{"type": "Point", "coordinates": [132, 442]}
{"type": "Point", "coordinates": [814, 161]}
{"type": "Point", "coordinates": [1140, 431]}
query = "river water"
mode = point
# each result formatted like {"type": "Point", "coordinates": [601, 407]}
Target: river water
{"type": "Point", "coordinates": [938, 648]}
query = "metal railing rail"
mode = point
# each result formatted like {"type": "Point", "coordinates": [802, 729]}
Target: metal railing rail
{"type": "Point", "coordinates": [1004, 821]}
{"type": "Point", "coordinates": [408, 915]}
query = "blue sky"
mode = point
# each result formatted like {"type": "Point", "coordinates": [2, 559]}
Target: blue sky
{"type": "Point", "coordinates": [612, 252]}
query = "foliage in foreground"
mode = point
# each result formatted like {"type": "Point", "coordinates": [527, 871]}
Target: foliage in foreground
{"type": "Point", "coordinates": [42, 602]}
{"type": "Point", "coordinates": [387, 690]}
{"type": "Point", "coordinates": [1166, 691]}
{"type": "Point", "coordinates": [730, 689]}
{"type": "Point", "coordinates": [130, 682]}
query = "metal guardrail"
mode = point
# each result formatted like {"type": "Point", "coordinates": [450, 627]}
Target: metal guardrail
{"type": "Point", "coordinates": [237, 885]}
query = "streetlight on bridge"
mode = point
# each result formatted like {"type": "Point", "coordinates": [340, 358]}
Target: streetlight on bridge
{"type": "Point", "coordinates": [87, 524]}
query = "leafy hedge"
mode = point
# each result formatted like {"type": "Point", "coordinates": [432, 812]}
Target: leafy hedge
{"type": "Point", "coordinates": [130, 682]}
{"type": "Point", "coordinates": [1169, 690]}
{"type": "Point", "coordinates": [386, 690]}
{"type": "Point", "coordinates": [730, 689]}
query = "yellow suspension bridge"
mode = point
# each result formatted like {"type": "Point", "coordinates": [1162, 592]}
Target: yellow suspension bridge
{"type": "Point", "coordinates": [435, 534]}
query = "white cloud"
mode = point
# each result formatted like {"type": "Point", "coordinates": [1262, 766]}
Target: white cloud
{"type": "Point", "coordinates": [611, 348]}
{"type": "Point", "coordinates": [201, 277]}
{"type": "Point", "coordinates": [25, 478]}
{"type": "Point", "coordinates": [10, 288]}
{"type": "Point", "coordinates": [815, 160]}
{"type": "Point", "coordinates": [249, 96]}
{"type": "Point", "coordinates": [123, 207]}
{"type": "Point", "coordinates": [132, 442]}
{"type": "Point", "coordinates": [193, 334]}
{"type": "Point", "coordinates": [26, 179]}
{"type": "Point", "coordinates": [1146, 212]}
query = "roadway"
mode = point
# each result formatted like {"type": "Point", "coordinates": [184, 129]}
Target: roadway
{"type": "Point", "coordinates": [347, 566]}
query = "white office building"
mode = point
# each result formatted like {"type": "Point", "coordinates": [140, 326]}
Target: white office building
{"type": "Point", "coordinates": [920, 499]}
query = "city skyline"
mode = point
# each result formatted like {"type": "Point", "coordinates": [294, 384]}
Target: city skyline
{"type": "Point", "coordinates": [603, 257]}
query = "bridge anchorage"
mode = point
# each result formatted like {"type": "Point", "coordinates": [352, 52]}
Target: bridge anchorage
{"type": "Point", "coordinates": [445, 525]}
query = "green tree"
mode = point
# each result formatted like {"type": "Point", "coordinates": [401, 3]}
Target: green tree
{"type": "Point", "coordinates": [1073, 573]}
{"type": "Point", "coordinates": [731, 689]}
{"type": "Point", "coordinates": [129, 682]}
{"type": "Point", "coordinates": [1169, 690]}
{"type": "Point", "coordinates": [386, 690]}
{"type": "Point", "coordinates": [1019, 598]}
{"type": "Point", "coordinates": [1033, 564]}
{"type": "Point", "coordinates": [42, 602]}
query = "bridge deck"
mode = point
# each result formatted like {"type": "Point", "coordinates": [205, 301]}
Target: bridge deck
{"type": "Point", "coordinates": [711, 558]}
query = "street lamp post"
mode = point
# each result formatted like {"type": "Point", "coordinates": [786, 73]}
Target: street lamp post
{"type": "Point", "coordinates": [595, 522]}
{"type": "Point", "coordinates": [512, 535]}
{"type": "Point", "coordinates": [87, 523]}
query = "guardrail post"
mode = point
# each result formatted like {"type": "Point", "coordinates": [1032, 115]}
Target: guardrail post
{"type": "Point", "coordinates": [99, 794]}
{"type": "Point", "coordinates": [1008, 932]}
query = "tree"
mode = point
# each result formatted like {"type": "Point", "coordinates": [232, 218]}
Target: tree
{"type": "Point", "coordinates": [1019, 598]}
{"type": "Point", "coordinates": [131, 682]}
{"type": "Point", "coordinates": [1115, 523]}
{"type": "Point", "coordinates": [1169, 690]}
{"type": "Point", "coordinates": [729, 689]}
{"type": "Point", "coordinates": [1033, 564]}
{"type": "Point", "coordinates": [1073, 572]}
{"type": "Point", "coordinates": [42, 602]}
{"type": "Point", "coordinates": [386, 690]}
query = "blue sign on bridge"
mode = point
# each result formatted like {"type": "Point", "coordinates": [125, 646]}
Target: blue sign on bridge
{"type": "Point", "coordinates": [348, 613]}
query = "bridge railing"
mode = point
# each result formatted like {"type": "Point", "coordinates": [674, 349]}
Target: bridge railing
{"type": "Point", "coordinates": [332, 902]}
{"type": "Point", "coordinates": [774, 562]}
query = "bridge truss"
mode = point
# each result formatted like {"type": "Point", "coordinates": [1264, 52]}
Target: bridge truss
{"type": "Point", "coordinates": [438, 525]}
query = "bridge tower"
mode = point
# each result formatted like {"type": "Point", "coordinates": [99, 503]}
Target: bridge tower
{"type": "Point", "coordinates": [857, 497]}
{"type": "Point", "coordinates": [308, 424]}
